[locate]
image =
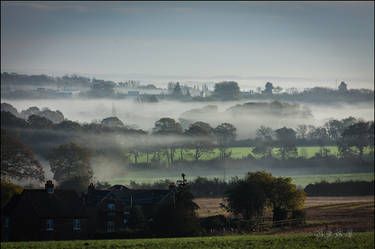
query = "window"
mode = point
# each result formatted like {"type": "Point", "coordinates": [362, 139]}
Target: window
{"type": "Point", "coordinates": [111, 209]}
{"type": "Point", "coordinates": [49, 225]}
{"type": "Point", "coordinates": [76, 225]}
{"type": "Point", "coordinates": [110, 226]}
{"type": "Point", "coordinates": [6, 222]}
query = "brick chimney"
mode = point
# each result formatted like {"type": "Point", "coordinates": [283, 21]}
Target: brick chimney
{"type": "Point", "coordinates": [49, 186]}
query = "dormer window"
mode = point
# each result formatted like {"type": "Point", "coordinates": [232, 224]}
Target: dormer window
{"type": "Point", "coordinates": [49, 225]}
{"type": "Point", "coordinates": [76, 224]}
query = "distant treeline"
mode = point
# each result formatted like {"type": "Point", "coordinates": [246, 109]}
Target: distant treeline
{"type": "Point", "coordinates": [15, 85]}
{"type": "Point", "coordinates": [349, 188]}
{"type": "Point", "coordinates": [203, 187]}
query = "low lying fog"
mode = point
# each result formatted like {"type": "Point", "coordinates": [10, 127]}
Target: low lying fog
{"type": "Point", "coordinates": [144, 115]}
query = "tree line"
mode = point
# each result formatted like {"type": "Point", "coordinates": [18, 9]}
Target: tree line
{"type": "Point", "coordinates": [168, 139]}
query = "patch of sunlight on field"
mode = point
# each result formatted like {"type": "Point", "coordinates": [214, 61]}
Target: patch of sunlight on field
{"type": "Point", "coordinates": [363, 205]}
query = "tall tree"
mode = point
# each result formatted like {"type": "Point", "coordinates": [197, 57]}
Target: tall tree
{"type": "Point", "coordinates": [286, 140]}
{"type": "Point", "coordinates": [356, 135]}
{"type": "Point", "coordinates": [268, 88]}
{"type": "Point", "coordinates": [201, 135]}
{"type": "Point", "coordinates": [168, 127]}
{"type": "Point", "coordinates": [285, 197]}
{"type": "Point", "coordinates": [301, 131]}
{"type": "Point", "coordinates": [177, 216]}
{"type": "Point", "coordinates": [177, 91]}
{"type": "Point", "coordinates": [225, 134]}
{"type": "Point", "coordinates": [71, 166]}
{"type": "Point", "coordinates": [227, 90]}
{"type": "Point", "coordinates": [320, 136]}
{"type": "Point", "coordinates": [264, 142]}
{"type": "Point", "coordinates": [343, 87]}
{"type": "Point", "coordinates": [18, 161]}
{"type": "Point", "coordinates": [334, 128]}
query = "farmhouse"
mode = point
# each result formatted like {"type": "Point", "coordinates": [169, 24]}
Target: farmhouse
{"type": "Point", "coordinates": [56, 214]}
{"type": "Point", "coordinates": [44, 214]}
{"type": "Point", "coordinates": [109, 209]}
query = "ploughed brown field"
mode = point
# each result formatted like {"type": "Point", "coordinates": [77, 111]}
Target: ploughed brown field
{"type": "Point", "coordinates": [323, 213]}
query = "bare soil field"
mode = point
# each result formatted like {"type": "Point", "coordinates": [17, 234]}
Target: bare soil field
{"type": "Point", "coordinates": [317, 201]}
{"type": "Point", "coordinates": [347, 214]}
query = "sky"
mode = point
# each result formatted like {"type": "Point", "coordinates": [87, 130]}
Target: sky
{"type": "Point", "coordinates": [296, 44]}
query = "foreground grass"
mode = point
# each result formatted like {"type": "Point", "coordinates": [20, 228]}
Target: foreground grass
{"type": "Point", "coordinates": [310, 241]}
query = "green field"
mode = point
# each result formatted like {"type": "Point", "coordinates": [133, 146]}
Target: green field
{"type": "Point", "coordinates": [239, 152]}
{"type": "Point", "coordinates": [301, 180]}
{"type": "Point", "coordinates": [332, 241]}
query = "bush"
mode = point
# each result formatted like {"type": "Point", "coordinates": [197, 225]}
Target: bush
{"type": "Point", "coordinates": [349, 188]}
{"type": "Point", "coordinates": [299, 214]}
{"type": "Point", "coordinates": [8, 190]}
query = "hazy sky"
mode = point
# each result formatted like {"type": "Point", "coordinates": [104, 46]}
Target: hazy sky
{"type": "Point", "coordinates": [296, 42]}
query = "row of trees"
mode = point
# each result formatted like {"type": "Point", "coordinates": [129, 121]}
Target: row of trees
{"type": "Point", "coordinates": [168, 138]}
{"type": "Point", "coordinates": [200, 139]}
{"type": "Point", "coordinates": [348, 134]}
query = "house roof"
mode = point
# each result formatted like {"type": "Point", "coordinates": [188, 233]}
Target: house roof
{"type": "Point", "coordinates": [119, 187]}
{"type": "Point", "coordinates": [60, 204]}
{"type": "Point", "coordinates": [128, 196]}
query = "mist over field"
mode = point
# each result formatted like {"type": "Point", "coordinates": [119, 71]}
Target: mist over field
{"type": "Point", "coordinates": [143, 116]}
{"type": "Point", "coordinates": [169, 119]}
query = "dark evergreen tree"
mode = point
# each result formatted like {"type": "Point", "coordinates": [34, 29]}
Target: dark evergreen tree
{"type": "Point", "coordinates": [177, 216]}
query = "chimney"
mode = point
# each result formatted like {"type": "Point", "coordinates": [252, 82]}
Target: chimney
{"type": "Point", "coordinates": [49, 187]}
{"type": "Point", "coordinates": [91, 188]}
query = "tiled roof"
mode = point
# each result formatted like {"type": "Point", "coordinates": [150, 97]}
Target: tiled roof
{"type": "Point", "coordinates": [60, 204]}
{"type": "Point", "coordinates": [141, 197]}
{"type": "Point", "coordinates": [126, 196]}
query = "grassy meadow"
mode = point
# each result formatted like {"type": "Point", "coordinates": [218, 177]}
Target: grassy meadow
{"type": "Point", "coordinates": [301, 241]}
